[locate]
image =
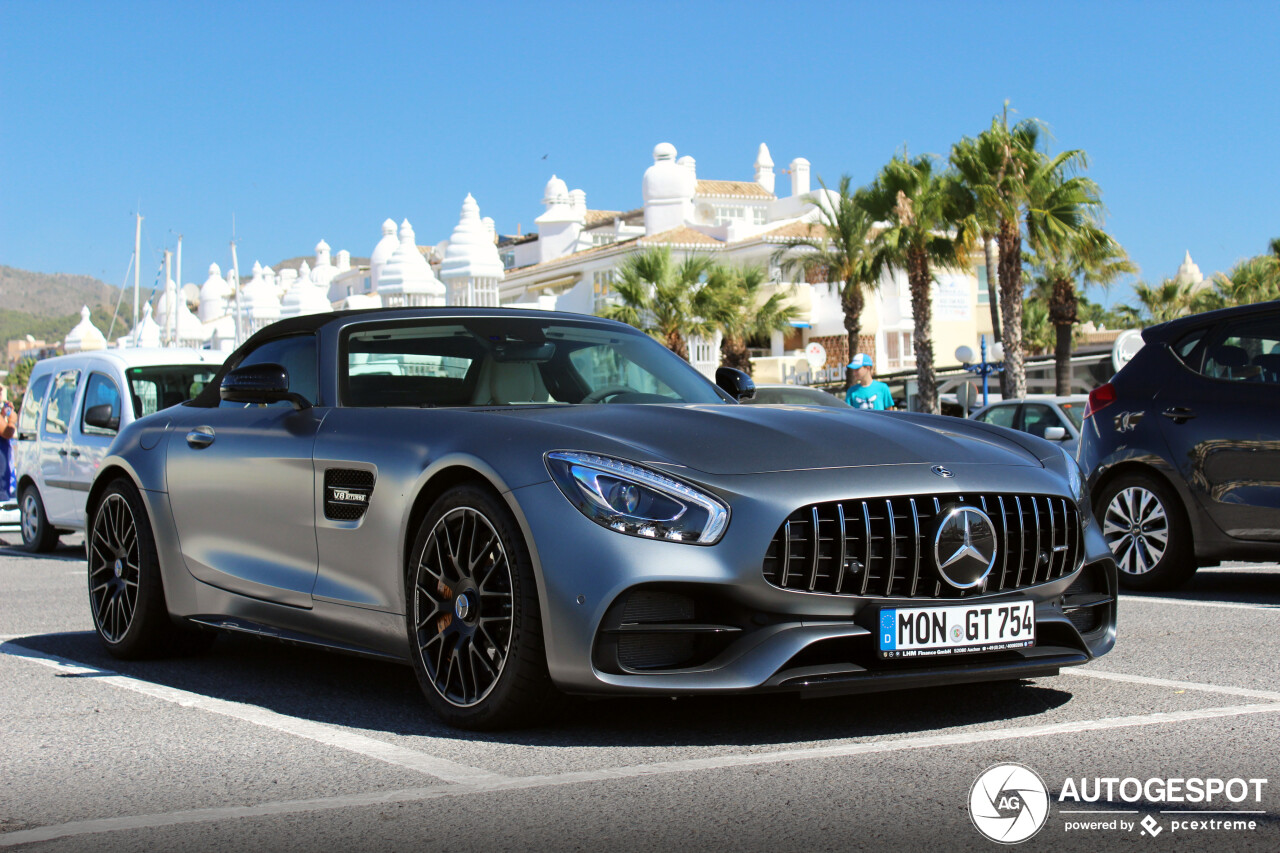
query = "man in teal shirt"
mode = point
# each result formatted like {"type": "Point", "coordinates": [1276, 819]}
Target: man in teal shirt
{"type": "Point", "coordinates": [865, 392]}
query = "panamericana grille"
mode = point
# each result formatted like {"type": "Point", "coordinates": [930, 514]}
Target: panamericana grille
{"type": "Point", "coordinates": [883, 547]}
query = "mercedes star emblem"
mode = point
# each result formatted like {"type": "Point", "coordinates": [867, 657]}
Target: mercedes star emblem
{"type": "Point", "coordinates": [942, 472]}
{"type": "Point", "coordinates": [965, 547]}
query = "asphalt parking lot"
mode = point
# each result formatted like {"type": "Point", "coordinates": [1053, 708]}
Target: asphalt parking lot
{"type": "Point", "coordinates": [257, 746]}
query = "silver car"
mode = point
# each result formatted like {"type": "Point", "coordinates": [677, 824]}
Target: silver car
{"type": "Point", "coordinates": [520, 503]}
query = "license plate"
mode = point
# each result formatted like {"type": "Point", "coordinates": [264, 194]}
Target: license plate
{"type": "Point", "coordinates": [910, 632]}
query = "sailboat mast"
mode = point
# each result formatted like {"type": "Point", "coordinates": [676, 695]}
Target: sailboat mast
{"type": "Point", "coordinates": [137, 262]}
{"type": "Point", "coordinates": [235, 267]}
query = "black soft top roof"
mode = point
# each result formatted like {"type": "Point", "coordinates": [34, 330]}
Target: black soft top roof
{"type": "Point", "coordinates": [312, 323]}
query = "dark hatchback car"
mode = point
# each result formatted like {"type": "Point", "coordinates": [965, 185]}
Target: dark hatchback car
{"type": "Point", "coordinates": [1182, 447]}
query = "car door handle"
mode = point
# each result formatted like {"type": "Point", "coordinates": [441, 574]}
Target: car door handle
{"type": "Point", "coordinates": [1179, 414]}
{"type": "Point", "coordinates": [199, 437]}
{"type": "Point", "coordinates": [62, 453]}
{"type": "Point", "coordinates": [75, 454]}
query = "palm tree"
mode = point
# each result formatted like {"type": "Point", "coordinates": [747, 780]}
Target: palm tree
{"type": "Point", "coordinates": [1255, 279]}
{"type": "Point", "coordinates": [1037, 331]}
{"type": "Point", "coordinates": [658, 297]}
{"type": "Point", "coordinates": [986, 168]}
{"type": "Point", "coordinates": [921, 213]}
{"type": "Point", "coordinates": [1088, 256]}
{"type": "Point", "coordinates": [1159, 303]}
{"type": "Point", "coordinates": [733, 299]}
{"type": "Point", "coordinates": [1008, 175]}
{"type": "Point", "coordinates": [836, 252]}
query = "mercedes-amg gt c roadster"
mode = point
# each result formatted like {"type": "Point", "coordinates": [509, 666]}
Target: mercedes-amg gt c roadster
{"type": "Point", "coordinates": [520, 503]}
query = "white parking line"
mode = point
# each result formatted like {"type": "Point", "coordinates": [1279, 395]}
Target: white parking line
{"type": "Point", "coordinates": [441, 768]}
{"type": "Point", "coordinates": [1268, 695]}
{"type": "Point", "coordinates": [1228, 605]}
{"type": "Point", "coordinates": [721, 762]}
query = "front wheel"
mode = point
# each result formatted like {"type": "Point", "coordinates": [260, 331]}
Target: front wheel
{"type": "Point", "coordinates": [126, 593]}
{"type": "Point", "coordinates": [1142, 523]}
{"type": "Point", "coordinates": [475, 629]}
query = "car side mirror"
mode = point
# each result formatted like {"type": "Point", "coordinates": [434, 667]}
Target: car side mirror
{"type": "Point", "coordinates": [260, 384]}
{"type": "Point", "coordinates": [735, 383]}
{"type": "Point", "coordinates": [100, 416]}
{"type": "Point", "coordinates": [1055, 433]}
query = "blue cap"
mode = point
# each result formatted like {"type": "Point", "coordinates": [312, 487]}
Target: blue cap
{"type": "Point", "coordinates": [860, 360]}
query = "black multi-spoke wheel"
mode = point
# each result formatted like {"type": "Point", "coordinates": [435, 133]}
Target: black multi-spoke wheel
{"type": "Point", "coordinates": [126, 593]}
{"type": "Point", "coordinates": [115, 565]}
{"type": "Point", "coordinates": [1143, 524]}
{"type": "Point", "coordinates": [472, 613]}
{"type": "Point", "coordinates": [37, 533]}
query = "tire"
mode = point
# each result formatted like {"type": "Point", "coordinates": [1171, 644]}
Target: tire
{"type": "Point", "coordinates": [1144, 525]}
{"type": "Point", "coordinates": [472, 615]}
{"type": "Point", "coordinates": [126, 592]}
{"type": "Point", "coordinates": [38, 535]}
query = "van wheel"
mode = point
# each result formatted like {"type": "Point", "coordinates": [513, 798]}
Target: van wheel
{"type": "Point", "coordinates": [38, 534]}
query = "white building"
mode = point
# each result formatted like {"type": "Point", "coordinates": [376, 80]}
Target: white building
{"type": "Point", "coordinates": [572, 263]}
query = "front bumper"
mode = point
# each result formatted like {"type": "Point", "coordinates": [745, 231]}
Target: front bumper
{"type": "Point", "coordinates": [749, 635]}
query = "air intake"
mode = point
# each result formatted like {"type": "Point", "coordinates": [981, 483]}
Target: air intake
{"type": "Point", "coordinates": [346, 493]}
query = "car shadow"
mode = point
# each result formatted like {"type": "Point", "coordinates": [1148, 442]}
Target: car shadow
{"type": "Point", "coordinates": [1257, 584]}
{"type": "Point", "coordinates": [379, 696]}
{"type": "Point", "coordinates": [73, 551]}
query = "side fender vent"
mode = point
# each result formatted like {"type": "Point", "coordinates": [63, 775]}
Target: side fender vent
{"type": "Point", "coordinates": [347, 493]}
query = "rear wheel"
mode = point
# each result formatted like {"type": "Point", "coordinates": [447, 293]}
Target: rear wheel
{"type": "Point", "coordinates": [474, 624]}
{"type": "Point", "coordinates": [1142, 523]}
{"type": "Point", "coordinates": [126, 593]}
{"type": "Point", "coordinates": [37, 533]}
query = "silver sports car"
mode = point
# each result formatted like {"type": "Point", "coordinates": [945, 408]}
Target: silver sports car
{"type": "Point", "coordinates": [518, 503]}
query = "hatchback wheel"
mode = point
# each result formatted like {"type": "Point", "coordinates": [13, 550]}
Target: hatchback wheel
{"type": "Point", "coordinates": [1143, 524]}
{"type": "Point", "coordinates": [126, 592]}
{"type": "Point", "coordinates": [473, 620]}
{"type": "Point", "coordinates": [37, 533]}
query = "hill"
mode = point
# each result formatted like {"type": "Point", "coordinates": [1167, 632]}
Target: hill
{"type": "Point", "coordinates": [52, 294]}
{"type": "Point", "coordinates": [47, 305]}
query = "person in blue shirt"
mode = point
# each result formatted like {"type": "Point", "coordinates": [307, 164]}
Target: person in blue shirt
{"type": "Point", "coordinates": [866, 393]}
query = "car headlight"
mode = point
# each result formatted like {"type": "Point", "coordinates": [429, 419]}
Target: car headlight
{"type": "Point", "coordinates": [1075, 479]}
{"type": "Point", "coordinates": [627, 498]}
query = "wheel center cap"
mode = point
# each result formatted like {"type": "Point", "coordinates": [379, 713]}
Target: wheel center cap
{"type": "Point", "coordinates": [462, 606]}
{"type": "Point", "coordinates": [118, 567]}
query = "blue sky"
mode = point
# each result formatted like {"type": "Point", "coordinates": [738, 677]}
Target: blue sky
{"type": "Point", "coordinates": [320, 120]}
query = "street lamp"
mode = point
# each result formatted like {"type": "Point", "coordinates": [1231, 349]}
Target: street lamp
{"type": "Point", "coordinates": [984, 368]}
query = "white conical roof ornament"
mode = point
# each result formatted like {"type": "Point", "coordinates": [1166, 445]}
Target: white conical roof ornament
{"type": "Point", "coordinates": [148, 332]}
{"type": "Point", "coordinates": [322, 253]}
{"type": "Point", "coordinates": [258, 301]}
{"type": "Point", "coordinates": [85, 335]}
{"type": "Point", "coordinates": [1189, 272]}
{"type": "Point", "coordinates": [471, 252]}
{"type": "Point", "coordinates": [557, 192]}
{"type": "Point", "coordinates": [324, 270]}
{"type": "Point", "coordinates": [382, 252]}
{"type": "Point", "coordinates": [407, 271]}
{"type": "Point", "coordinates": [214, 294]}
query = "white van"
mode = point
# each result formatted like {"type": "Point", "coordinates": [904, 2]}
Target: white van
{"type": "Point", "coordinates": [73, 409]}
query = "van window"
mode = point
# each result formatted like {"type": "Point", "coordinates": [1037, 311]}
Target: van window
{"type": "Point", "coordinates": [30, 415]}
{"type": "Point", "coordinates": [101, 390]}
{"type": "Point", "coordinates": [61, 401]}
{"type": "Point", "coordinates": [161, 386]}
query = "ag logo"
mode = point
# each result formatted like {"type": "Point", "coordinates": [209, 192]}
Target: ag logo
{"type": "Point", "coordinates": [1009, 803]}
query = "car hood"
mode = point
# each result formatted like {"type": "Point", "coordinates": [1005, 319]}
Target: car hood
{"type": "Point", "coordinates": [728, 439]}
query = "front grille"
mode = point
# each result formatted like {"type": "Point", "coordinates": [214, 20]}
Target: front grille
{"type": "Point", "coordinates": [883, 547]}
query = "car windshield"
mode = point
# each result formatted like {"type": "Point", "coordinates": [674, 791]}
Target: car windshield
{"type": "Point", "coordinates": [486, 361]}
{"type": "Point", "coordinates": [161, 386]}
{"type": "Point", "coordinates": [1074, 411]}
